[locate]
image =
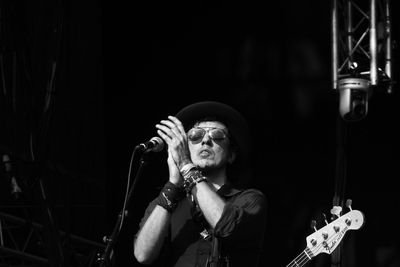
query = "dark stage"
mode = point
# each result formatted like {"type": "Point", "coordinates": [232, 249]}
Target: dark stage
{"type": "Point", "coordinates": [84, 82]}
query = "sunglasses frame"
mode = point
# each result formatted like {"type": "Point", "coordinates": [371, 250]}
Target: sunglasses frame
{"type": "Point", "coordinates": [207, 130]}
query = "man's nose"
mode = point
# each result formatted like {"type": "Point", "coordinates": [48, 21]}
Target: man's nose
{"type": "Point", "coordinates": [206, 139]}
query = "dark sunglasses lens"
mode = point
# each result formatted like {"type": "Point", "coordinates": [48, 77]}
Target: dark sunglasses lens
{"type": "Point", "coordinates": [217, 134]}
{"type": "Point", "coordinates": [196, 134]}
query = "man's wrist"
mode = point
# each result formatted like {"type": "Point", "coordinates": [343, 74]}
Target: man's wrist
{"type": "Point", "coordinates": [184, 160]}
{"type": "Point", "coordinates": [186, 168]}
{"type": "Point", "coordinates": [192, 178]}
{"type": "Point", "coordinates": [170, 196]}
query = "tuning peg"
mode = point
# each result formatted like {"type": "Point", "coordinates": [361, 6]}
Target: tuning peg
{"type": "Point", "coordinates": [348, 204]}
{"type": "Point", "coordinates": [313, 225]}
{"type": "Point", "coordinates": [326, 221]}
{"type": "Point", "coordinates": [336, 210]}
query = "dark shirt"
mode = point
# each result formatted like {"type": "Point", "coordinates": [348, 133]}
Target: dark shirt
{"type": "Point", "coordinates": [240, 231]}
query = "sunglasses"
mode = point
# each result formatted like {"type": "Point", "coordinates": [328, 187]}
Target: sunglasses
{"type": "Point", "coordinates": [196, 134]}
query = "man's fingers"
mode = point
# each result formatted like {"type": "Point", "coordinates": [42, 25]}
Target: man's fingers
{"type": "Point", "coordinates": [173, 128]}
{"type": "Point", "coordinates": [178, 123]}
{"type": "Point", "coordinates": [166, 130]}
{"type": "Point", "coordinates": [164, 136]}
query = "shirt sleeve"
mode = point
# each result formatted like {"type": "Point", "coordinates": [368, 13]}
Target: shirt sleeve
{"type": "Point", "coordinates": [243, 219]}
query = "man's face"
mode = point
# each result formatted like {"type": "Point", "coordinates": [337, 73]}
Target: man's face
{"type": "Point", "coordinates": [212, 150]}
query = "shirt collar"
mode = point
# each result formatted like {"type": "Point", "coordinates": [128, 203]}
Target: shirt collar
{"type": "Point", "coordinates": [227, 190]}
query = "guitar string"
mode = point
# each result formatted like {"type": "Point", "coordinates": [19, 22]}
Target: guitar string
{"type": "Point", "coordinates": [304, 257]}
{"type": "Point", "coordinates": [295, 261]}
{"type": "Point", "coordinates": [299, 260]}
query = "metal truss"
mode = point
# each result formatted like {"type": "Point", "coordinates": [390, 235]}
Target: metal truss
{"type": "Point", "coordinates": [361, 65]}
{"type": "Point", "coordinates": [23, 243]}
{"type": "Point", "coordinates": [362, 41]}
{"type": "Point", "coordinates": [361, 52]}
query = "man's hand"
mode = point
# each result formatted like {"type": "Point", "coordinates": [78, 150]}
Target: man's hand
{"type": "Point", "coordinates": [173, 133]}
{"type": "Point", "coordinates": [174, 174]}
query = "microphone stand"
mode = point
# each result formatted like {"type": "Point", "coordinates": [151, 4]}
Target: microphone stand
{"type": "Point", "coordinates": [105, 259]}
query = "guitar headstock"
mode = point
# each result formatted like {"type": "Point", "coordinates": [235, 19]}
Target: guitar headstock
{"type": "Point", "coordinates": [326, 239]}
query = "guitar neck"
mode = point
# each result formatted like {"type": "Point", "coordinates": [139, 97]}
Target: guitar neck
{"type": "Point", "coordinates": [302, 259]}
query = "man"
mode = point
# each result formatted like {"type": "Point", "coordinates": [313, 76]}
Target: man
{"type": "Point", "coordinates": [199, 217]}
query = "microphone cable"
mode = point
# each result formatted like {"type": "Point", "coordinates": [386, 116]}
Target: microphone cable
{"type": "Point", "coordinates": [127, 187]}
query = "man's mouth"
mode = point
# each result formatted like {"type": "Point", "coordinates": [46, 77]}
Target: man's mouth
{"type": "Point", "coordinates": [205, 153]}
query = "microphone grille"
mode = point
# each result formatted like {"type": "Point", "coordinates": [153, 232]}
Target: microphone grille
{"type": "Point", "coordinates": [159, 144]}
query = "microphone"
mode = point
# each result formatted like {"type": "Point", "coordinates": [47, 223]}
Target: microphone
{"type": "Point", "coordinates": [15, 189]}
{"type": "Point", "coordinates": [156, 144]}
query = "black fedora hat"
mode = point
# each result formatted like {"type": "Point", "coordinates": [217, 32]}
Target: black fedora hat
{"type": "Point", "coordinates": [233, 119]}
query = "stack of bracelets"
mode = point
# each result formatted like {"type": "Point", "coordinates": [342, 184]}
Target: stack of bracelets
{"type": "Point", "coordinates": [191, 177]}
{"type": "Point", "coordinates": [171, 194]}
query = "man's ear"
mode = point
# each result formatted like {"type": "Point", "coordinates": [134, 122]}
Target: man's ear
{"type": "Point", "coordinates": [232, 156]}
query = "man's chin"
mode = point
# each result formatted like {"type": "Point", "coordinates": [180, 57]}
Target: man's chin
{"type": "Point", "coordinates": [205, 166]}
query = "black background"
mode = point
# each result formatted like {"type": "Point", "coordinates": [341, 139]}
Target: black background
{"type": "Point", "coordinates": [123, 66]}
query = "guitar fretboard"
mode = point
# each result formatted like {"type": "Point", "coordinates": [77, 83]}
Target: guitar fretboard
{"type": "Point", "coordinates": [302, 259]}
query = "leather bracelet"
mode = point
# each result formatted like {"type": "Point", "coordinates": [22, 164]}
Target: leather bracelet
{"type": "Point", "coordinates": [170, 196]}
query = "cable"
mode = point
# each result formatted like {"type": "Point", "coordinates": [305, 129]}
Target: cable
{"type": "Point", "coordinates": [127, 188]}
